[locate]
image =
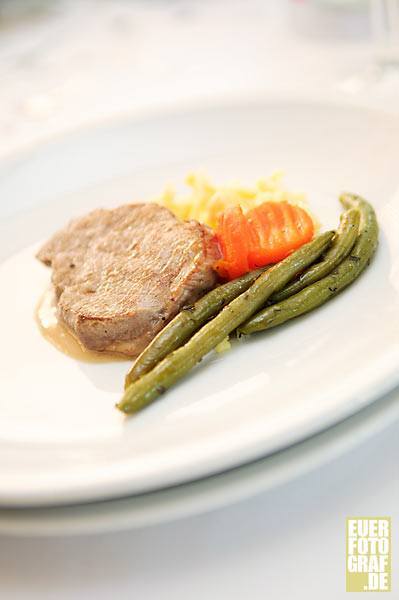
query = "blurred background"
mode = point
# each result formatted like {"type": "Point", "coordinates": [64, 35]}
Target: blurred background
{"type": "Point", "coordinates": [64, 63]}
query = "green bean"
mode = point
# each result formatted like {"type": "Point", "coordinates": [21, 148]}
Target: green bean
{"type": "Point", "coordinates": [341, 246]}
{"type": "Point", "coordinates": [187, 322]}
{"type": "Point", "coordinates": [323, 290]}
{"type": "Point", "coordinates": [174, 366]}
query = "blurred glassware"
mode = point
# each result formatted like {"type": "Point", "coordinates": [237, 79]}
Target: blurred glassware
{"type": "Point", "coordinates": [374, 26]}
{"type": "Point", "coordinates": [330, 19]}
{"type": "Point", "coordinates": [384, 15]}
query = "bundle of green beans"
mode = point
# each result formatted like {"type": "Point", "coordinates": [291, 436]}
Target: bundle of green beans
{"type": "Point", "coordinates": [294, 286]}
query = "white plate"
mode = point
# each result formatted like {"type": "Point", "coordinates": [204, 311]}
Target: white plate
{"type": "Point", "coordinates": [61, 439]}
{"type": "Point", "coordinates": [208, 493]}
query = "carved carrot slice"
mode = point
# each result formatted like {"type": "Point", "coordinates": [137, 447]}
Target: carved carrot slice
{"type": "Point", "coordinates": [265, 235]}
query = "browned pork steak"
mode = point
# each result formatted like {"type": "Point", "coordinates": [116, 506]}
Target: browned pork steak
{"type": "Point", "coordinates": [120, 275]}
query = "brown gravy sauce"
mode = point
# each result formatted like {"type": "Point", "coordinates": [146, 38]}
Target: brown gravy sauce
{"type": "Point", "coordinates": [55, 332]}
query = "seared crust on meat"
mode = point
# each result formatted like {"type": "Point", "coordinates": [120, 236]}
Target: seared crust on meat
{"type": "Point", "coordinates": [120, 275]}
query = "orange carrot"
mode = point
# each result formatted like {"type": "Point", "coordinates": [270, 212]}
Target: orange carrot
{"type": "Point", "coordinates": [265, 235]}
{"type": "Point", "coordinates": [233, 234]}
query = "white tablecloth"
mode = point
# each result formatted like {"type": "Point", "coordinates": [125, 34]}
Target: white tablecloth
{"type": "Point", "coordinates": [76, 62]}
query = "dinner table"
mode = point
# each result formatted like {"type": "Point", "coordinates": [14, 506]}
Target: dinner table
{"type": "Point", "coordinates": [66, 65]}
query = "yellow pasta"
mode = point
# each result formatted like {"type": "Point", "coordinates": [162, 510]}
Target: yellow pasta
{"type": "Point", "coordinates": [204, 201]}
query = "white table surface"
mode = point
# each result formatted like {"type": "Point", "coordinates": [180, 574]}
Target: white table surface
{"type": "Point", "coordinates": [86, 61]}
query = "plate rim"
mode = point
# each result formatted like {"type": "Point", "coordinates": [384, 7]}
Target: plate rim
{"type": "Point", "coordinates": [209, 493]}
